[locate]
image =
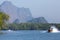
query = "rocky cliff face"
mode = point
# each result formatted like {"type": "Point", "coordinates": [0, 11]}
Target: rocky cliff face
{"type": "Point", "coordinates": [19, 15]}
{"type": "Point", "coordinates": [38, 20]}
{"type": "Point", "coordinates": [22, 14]}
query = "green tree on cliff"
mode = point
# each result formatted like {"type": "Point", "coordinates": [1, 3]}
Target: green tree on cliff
{"type": "Point", "coordinates": [3, 19]}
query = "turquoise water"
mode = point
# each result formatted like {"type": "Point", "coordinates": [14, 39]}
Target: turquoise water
{"type": "Point", "coordinates": [29, 35]}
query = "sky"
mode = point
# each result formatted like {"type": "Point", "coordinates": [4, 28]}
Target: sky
{"type": "Point", "coordinates": [50, 9]}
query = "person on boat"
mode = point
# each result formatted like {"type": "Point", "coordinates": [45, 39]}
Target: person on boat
{"type": "Point", "coordinates": [50, 29]}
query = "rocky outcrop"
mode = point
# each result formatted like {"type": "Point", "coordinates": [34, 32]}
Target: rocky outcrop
{"type": "Point", "coordinates": [22, 14]}
{"type": "Point", "coordinates": [38, 20]}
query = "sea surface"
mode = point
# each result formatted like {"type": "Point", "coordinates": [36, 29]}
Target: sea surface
{"type": "Point", "coordinates": [29, 35]}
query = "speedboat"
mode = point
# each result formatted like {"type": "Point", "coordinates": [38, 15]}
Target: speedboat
{"type": "Point", "coordinates": [53, 29]}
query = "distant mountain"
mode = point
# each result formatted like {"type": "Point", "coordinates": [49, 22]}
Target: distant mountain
{"type": "Point", "coordinates": [22, 14]}
{"type": "Point", "coordinates": [19, 15]}
{"type": "Point", "coordinates": [17, 21]}
{"type": "Point", "coordinates": [38, 20]}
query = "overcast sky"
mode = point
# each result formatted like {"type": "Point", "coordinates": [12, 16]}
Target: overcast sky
{"type": "Point", "coordinates": [50, 9]}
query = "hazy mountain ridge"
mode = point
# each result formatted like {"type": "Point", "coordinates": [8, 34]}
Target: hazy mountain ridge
{"type": "Point", "coordinates": [19, 15]}
{"type": "Point", "coordinates": [23, 14]}
{"type": "Point", "coordinates": [38, 20]}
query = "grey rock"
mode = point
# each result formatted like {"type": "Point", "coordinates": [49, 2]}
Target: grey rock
{"type": "Point", "coordinates": [38, 20]}
{"type": "Point", "coordinates": [22, 14]}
